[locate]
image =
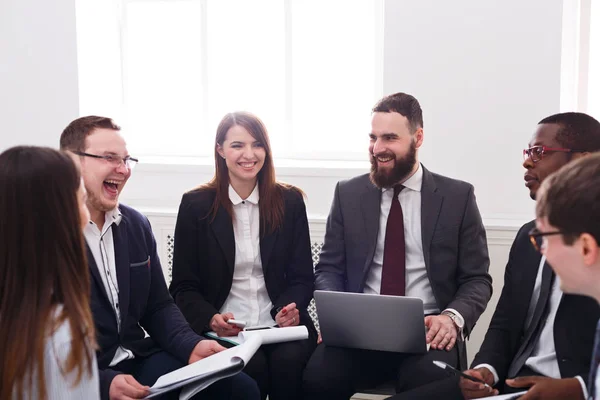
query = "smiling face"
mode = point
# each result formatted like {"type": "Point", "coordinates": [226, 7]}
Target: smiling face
{"type": "Point", "coordinates": [571, 262]}
{"type": "Point", "coordinates": [243, 154]}
{"type": "Point", "coordinates": [393, 148]}
{"type": "Point", "coordinates": [104, 181]}
{"type": "Point", "coordinates": [536, 172]}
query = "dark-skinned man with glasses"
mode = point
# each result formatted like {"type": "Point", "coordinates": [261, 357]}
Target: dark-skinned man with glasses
{"type": "Point", "coordinates": [129, 296]}
{"type": "Point", "coordinates": [539, 339]}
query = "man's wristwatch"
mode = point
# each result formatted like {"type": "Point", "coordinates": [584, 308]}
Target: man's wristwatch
{"type": "Point", "coordinates": [457, 321]}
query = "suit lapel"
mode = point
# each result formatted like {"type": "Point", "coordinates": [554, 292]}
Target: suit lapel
{"type": "Point", "coordinates": [370, 204]}
{"type": "Point", "coordinates": [120, 241]}
{"type": "Point", "coordinates": [222, 227]}
{"type": "Point", "coordinates": [266, 249]}
{"type": "Point", "coordinates": [431, 204]}
{"type": "Point", "coordinates": [95, 273]}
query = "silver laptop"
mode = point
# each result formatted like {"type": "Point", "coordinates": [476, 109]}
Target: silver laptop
{"type": "Point", "coordinates": [371, 322]}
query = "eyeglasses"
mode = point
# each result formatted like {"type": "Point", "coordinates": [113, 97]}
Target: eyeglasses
{"type": "Point", "coordinates": [537, 238]}
{"type": "Point", "coordinates": [536, 153]}
{"type": "Point", "coordinates": [114, 160]}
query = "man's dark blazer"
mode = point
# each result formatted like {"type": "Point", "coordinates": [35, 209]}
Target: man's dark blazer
{"type": "Point", "coordinates": [204, 259]}
{"type": "Point", "coordinates": [144, 301]}
{"type": "Point", "coordinates": [453, 236]}
{"type": "Point", "coordinates": [574, 325]}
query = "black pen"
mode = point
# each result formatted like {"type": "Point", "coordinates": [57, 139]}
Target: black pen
{"type": "Point", "coordinates": [258, 328]}
{"type": "Point", "coordinates": [447, 367]}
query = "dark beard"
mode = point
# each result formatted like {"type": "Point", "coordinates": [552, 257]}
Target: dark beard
{"type": "Point", "coordinates": [402, 167]}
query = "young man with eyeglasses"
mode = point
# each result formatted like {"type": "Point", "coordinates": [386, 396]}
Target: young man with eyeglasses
{"type": "Point", "coordinates": [129, 296]}
{"type": "Point", "coordinates": [539, 335]}
{"type": "Point", "coordinates": [568, 233]}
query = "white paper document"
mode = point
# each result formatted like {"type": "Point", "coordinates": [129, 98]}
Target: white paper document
{"type": "Point", "coordinates": [507, 396]}
{"type": "Point", "coordinates": [201, 374]}
{"type": "Point", "coordinates": [268, 336]}
{"type": "Point", "coordinates": [218, 366]}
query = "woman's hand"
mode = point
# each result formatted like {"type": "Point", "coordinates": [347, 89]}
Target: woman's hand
{"type": "Point", "coordinates": [288, 316]}
{"type": "Point", "coordinates": [218, 323]}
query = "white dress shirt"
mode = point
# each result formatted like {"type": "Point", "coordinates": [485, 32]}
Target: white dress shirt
{"type": "Point", "coordinates": [417, 281]}
{"type": "Point", "coordinates": [248, 299]}
{"type": "Point", "coordinates": [103, 249]}
{"type": "Point", "coordinates": [543, 357]}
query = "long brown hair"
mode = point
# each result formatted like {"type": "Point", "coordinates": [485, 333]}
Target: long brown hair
{"type": "Point", "coordinates": [271, 205]}
{"type": "Point", "coordinates": [43, 268]}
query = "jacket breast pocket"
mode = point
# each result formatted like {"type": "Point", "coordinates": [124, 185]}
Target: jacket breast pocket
{"type": "Point", "coordinates": [140, 279]}
{"type": "Point", "coordinates": [145, 263]}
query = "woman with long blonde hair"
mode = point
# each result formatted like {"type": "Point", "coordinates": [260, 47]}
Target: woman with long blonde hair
{"type": "Point", "coordinates": [46, 328]}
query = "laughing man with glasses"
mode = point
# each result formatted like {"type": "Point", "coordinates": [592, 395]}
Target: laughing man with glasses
{"type": "Point", "coordinates": [129, 296]}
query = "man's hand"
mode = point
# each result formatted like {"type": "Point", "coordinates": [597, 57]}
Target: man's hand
{"type": "Point", "coordinates": [441, 332]}
{"type": "Point", "coordinates": [205, 348]}
{"type": "Point", "coordinates": [475, 390]}
{"type": "Point", "coordinates": [125, 387]}
{"type": "Point", "coordinates": [218, 323]}
{"type": "Point", "coordinates": [288, 316]}
{"type": "Point", "coordinates": [542, 387]}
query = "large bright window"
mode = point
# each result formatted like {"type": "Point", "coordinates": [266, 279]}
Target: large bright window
{"type": "Point", "coordinates": [593, 101]}
{"type": "Point", "coordinates": [169, 70]}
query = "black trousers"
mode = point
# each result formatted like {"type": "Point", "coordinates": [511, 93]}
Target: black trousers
{"type": "Point", "coordinates": [148, 369]}
{"type": "Point", "coordinates": [448, 388]}
{"type": "Point", "coordinates": [277, 368]}
{"type": "Point", "coordinates": [336, 373]}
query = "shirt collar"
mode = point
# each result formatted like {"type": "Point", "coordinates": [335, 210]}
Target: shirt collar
{"type": "Point", "coordinates": [236, 199]}
{"type": "Point", "coordinates": [114, 215]}
{"type": "Point", "coordinates": [414, 182]}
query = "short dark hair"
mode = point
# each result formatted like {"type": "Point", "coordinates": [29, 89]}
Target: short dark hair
{"type": "Point", "coordinates": [74, 135]}
{"type": "Point", "coordinates": [403, 104]}
{"type": "Point", "coordinates": [570, 198]}
{"type": "Point", "coordinates": [578, 131]}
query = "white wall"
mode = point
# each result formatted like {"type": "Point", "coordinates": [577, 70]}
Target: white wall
{"type": "Point", "coordinates": [484, 72]}
{"type": "Point", "coordinates": [38, 71]}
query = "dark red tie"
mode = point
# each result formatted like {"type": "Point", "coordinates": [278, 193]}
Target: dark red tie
{"type": "Point", "coordinates": [393, 280]}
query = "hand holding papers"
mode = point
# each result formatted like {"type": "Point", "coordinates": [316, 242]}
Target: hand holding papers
{"type": "Point", "coordinates": [206, 371]}
{"type": "Point", "coordinates": [201, 374]}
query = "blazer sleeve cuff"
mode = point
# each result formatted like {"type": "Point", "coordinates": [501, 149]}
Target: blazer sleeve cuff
{"type": "Point", "coordinates": [583, 387]}
{"type": "Point", "coordinates": [460, 322]}
{"type": "Point", "coordinates": [106, 377]}
{"type": "Point", "coordinates": [492, 370]}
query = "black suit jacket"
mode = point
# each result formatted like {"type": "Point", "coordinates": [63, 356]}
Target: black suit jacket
{"type": "Point", "coordinates": [574, 325]}
{"type": "Point", "coordinates": [453, 237]}
{"type": "Point", "coordinates": [144, 301]}
{"type": "Point", "coordinates": [204, 259]}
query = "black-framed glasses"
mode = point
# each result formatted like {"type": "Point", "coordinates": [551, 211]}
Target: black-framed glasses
{"type": "Point", "coordinates": [536, 153]}
{"type": "Point", "coordinates": [113, 159]}
{"type": "Point", "coordinates": [537, 237]}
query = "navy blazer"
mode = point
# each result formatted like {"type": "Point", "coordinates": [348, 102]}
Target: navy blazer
{"type": "Point", "coordinates": [204, 259]}
{"type": "Point", "coordinates": [574, 324]}
{"type": "Point", "coordinates": [144, 301]}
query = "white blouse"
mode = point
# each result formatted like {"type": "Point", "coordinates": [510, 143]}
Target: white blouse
{"type": "Point", "coordinates": [248, 299]}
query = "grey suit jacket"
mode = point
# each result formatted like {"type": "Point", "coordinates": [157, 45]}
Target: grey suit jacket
{"type": "Point", "coordinates": [454, 242]}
